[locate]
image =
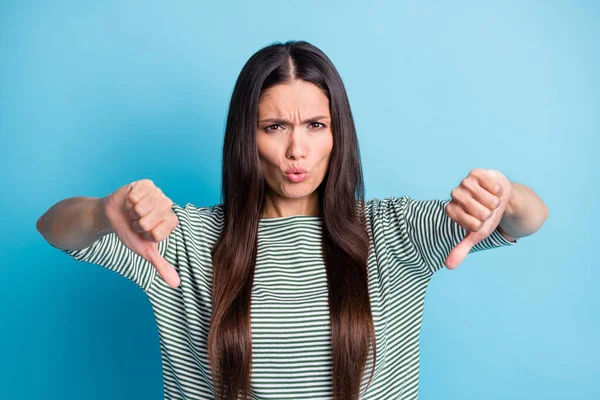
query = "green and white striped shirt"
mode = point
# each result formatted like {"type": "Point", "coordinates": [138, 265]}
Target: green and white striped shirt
{"type": "Point", "coordinates": [291, 350]}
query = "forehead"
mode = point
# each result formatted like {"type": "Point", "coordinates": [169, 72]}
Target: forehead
{"type": "Point", "coordinates": [297, 96]}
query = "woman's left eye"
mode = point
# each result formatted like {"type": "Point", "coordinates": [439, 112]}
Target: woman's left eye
{"type": "Point", "coordinates": [319, 125]}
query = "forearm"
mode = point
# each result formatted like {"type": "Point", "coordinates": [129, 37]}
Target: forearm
{"type": "Point", "coordinates": [525, 213]}
{"type": "Point", "coordinates": [74, 223]}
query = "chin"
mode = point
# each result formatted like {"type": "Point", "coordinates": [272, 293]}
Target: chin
{"type": "Point", "coordinates": [297, 194]}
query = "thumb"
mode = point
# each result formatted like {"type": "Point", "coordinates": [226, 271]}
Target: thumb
{"type": "Point", "coordinates": [164, 269]}
{"type": "Point", "coordinates": [458, 254]}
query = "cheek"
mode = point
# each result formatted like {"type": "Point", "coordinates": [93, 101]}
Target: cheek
{"type": "Point", "coordinates": [263, 152]}
{"type": "Point", "coordinates": [267, 160]}
{"type": "Point", "coordinates": [327, 147]}
{"type": "Point", "coordinates": [268, 164]}
{"type": "Point", "coordinates": [265, 167]}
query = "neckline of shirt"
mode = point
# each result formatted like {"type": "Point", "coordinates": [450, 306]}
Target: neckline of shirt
{"type": "Point", "coordinates": [290, 218]}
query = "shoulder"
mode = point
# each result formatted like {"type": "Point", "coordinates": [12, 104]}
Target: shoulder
{"type": "Point", "coordinates": [377, 208]}
{"type": "Point", "coordinates": [200, 216]}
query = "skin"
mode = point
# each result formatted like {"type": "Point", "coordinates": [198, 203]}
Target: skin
{"type": "Point", "coordinates": [294, 130]}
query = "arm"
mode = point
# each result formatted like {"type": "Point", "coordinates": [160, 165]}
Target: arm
{"type": "Point", "coordinates": [113, 231]}
{"type": "Point", "coordinates": [74, 223]}
{"type": "Point", "coordinates": [524, 215]}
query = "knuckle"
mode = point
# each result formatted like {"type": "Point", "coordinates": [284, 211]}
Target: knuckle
{"type": "Point", "coordinates": [137, 209]}
{"type": "Point", "coordinates": [158, 233]}
{"type": "Point", "coordinates": [132, 197]}
{"type": "Point", "coordinates": [142, 186]}
{"type": "Point", "coordinates": [471, 204]}
{"type": "Point", "coordinates": [164, 201]}
{"type": "Point", "coordinates": [490, 173]}
{"type": "Point", "coordinates": [144, 224]}
{"type": "Point", "coordinates": [138, 184]}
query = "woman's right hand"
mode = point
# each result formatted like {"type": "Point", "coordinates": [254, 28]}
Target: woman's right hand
{"type": "Point", "coordinates": [140, 215]}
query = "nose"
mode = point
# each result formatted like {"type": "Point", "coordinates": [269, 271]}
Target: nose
{"type": "Point", "coordinates": [296, 148]}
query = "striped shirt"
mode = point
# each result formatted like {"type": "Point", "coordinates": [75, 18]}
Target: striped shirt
{"type": "Point", "coordinates": [291, 350]}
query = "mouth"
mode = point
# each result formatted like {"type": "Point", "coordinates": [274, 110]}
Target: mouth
{"type": "Point", "coordinates": [295, 170]}
{"type": "Point", "coordinates": [296, 177]}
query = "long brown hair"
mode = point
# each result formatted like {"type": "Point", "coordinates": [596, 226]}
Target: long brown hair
{"type": "Point", "coordinates": [345, 241]}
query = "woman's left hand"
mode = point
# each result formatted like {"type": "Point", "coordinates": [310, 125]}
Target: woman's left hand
{"type": "Point", "coordinates": [477, 205]}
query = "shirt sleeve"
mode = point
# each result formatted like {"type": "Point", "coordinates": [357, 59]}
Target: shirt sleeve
{"type": "Point", "coordinates": [431, 233]}
{"type": "Point", "coordinates": [109, 252]}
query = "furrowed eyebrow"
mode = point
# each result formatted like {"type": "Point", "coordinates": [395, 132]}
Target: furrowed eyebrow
{"type": "Point", "coordinates": [282, 121]}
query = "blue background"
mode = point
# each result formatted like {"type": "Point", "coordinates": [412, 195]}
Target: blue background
{"type": "Point", "coordinates": [95, 95]}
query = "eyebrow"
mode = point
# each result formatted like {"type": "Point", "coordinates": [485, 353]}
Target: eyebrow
{"type": "Point", "coordinates": [282, 121]}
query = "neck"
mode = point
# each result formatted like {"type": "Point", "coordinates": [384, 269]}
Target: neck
{"type": "Point", "coordinates": [277, 207]}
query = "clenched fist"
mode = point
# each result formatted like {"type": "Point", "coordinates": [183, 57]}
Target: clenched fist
{"type": "Point", "coordinates": [141, 216]}
{"type": "Point", "coordinates": [477, 205]}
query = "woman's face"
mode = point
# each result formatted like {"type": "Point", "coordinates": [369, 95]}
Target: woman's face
{"type": "Point", "coordinates": [294, 131]}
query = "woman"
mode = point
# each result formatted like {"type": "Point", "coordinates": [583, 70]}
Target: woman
{"type": "Point", "coordinates": [293, 287]}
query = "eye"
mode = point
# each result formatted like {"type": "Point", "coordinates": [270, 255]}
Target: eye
{"type": "Point", "coordinates": [268, 128]}
{"type": "Point", "coordinates": [319, 125]}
